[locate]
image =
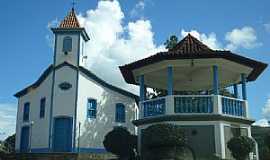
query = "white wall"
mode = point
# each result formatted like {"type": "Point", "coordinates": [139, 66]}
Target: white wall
{"type": "Point", "coordinates": [40, 128]}
{"type": "Point", "coordinates": [71, 57]}
{"type": "Point", "coordinates": [92, 131]}
{"type": "Point", "coordinates": [64, 100]}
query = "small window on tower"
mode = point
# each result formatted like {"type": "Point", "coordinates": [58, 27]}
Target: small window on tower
{"type": "Point", "coordinates": [67, 45]}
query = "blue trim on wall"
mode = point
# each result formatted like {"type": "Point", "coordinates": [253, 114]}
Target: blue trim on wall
{"type": "Point", "coordinates": [215, 80]}
{"type": "Point", "coordinates": [81, 150]}
{"type": "Point", "coordinates": [52, 95]}
{"type": "Point", "coordinates": [170, 80]}
{"type": "Point", "coordinates": [92, 150]}
{"type": "Point", "coordinates": [142, 88]}
{"type": "Point", "coordinates": [76, 98]}
{"type": "Point", "coordinates": [40, 150]}
{"type": "Point", "coordinates": [244, 89]}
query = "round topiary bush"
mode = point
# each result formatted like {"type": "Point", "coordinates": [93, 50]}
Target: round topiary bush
{"type": "Point", "coordinates": [120, 142]}
{"type": "Point", "coordinates": [163, 135]}
{"type": "Point", "coordinates": [165, 141]}
{"type": "Point", "coordinates": [240, 147]}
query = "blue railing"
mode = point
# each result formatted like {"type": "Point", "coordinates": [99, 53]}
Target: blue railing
{"type": "Point", "coordinates": [154, 107]}
{"type": "Point", "coordinates": [202, 104]}
{"type": "Point", "coordinates": [233, 107]}
{"type": "Point", "coordinates": [193, 104]}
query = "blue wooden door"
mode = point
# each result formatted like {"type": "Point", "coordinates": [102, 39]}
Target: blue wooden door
{"type": "Point", "coordinates": [24, 146]}
{"type": "Point", "coordinates": [62, 137]}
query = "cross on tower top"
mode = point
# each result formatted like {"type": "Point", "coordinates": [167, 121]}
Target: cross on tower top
{"type": "Point", "coordinates": [73, 3]}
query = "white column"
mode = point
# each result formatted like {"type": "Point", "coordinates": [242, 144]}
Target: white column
{"type": "Point", "coordinates": [220, 140]}
{"type": "Point", "coordinates": [169, 105]}
{"type": "Point", "coordinates": [217, 104]}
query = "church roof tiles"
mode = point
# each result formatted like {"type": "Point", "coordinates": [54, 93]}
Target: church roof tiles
{"type": "Point", "coordinates": [70, 21]}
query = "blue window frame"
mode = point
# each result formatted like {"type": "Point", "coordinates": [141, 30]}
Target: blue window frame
{"type": "Point", "coordinates": [67, 44]}
{"type": "Point", "coordinates": [91, 108]}
{"type": "Point", "coordinates": [42, 108]}
{"type": "Point", "coordinates": [120, 113]}
{"type": "Point", "coordinates": [26, 110]}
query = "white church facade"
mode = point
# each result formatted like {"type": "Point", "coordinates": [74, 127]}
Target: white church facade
{"type": "Point", "coordinates": [69, 108]}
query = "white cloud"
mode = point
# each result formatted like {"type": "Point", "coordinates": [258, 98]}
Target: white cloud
{"type": "Point", "coordinates": [49, 37]}
{"type": "Point", "coordinates": [210, 39]}
{"type": "Point", "coordinates": [113, 43]}
{"type": "Point", "coordinates": [265, 122]}
{"type": "Point", "coordinates": [262, 123]}
{"type": "Point", "coordinates": [138, 9]}
{"type": "Point", "coordinates": [242, 37]}
{"type": "Point", "coordinates": [7, 119]}
{"type": "Point", "coordinates": [266, 109]}
{"type": "Point", "coordinates": [267, 27]}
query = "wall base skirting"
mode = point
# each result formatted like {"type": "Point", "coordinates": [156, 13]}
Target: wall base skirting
{"type": "Point", "coordinates": [59, 156]}
{"type": "Point", "coordinates": [77, 150]}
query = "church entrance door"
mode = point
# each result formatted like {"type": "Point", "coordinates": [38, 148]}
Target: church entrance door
{"type": "Point", "coordinates": [62, 137]}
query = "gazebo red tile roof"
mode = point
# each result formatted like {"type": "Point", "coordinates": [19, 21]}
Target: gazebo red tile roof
{"type": "Point", "coordinates": [192, 48]}
{"type": "Point", "coordinates": [70, 21]}
{"type": "Point", "coordinates": [190, 45]}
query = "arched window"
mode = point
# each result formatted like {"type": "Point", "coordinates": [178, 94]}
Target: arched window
{"type": "Point", "coordinates": [120, 113]}
{"type": "Point", "coordinates": [67, 44]}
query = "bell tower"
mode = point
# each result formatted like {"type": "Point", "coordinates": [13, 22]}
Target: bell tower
{"type": "Point", "coordinates": [70, 39]}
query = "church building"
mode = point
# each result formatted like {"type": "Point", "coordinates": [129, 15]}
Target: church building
{"type": "Point", "coordinates": [69, 108]}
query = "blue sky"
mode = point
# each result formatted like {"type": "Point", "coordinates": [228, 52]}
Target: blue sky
{"type": "Point", "coordinates": [26, 39]}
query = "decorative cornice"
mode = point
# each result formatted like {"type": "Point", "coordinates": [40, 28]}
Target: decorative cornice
{"type": "Point", "coordinates": [203, 117]}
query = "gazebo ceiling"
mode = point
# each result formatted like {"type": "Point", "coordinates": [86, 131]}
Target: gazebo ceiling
{"type": "Point", "coordinates": [192, 63]}
{"type": "Point", "coordinates": [191, 74]}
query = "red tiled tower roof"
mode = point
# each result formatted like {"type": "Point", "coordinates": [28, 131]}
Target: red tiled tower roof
{"type": "Point", "coordinates": [70, 21]}
{"type": "Point", "coordinates": [190, 45]}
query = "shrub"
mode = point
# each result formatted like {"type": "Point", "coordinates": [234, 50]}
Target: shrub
{"type": "Point", "coordinates": [165, 141]}
{"type": "Point", "coordinates": [120, 142]}
{"type": "Point", "coordinates": [267, 141]}
{"type": "Point", "coordinates": [9, 143]}
{"type": "Point", "coordinates": [163, 135]}
{"type": "Point", "coordinates": [240, 147]}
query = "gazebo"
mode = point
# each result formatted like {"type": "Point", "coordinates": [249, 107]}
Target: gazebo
{"type": "Point", "coordinates": [210, 118]}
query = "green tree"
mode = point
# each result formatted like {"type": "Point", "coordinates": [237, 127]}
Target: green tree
{"type": "Point", "coordinates": [171, 42]}
{"type": "Point", "coordinates": [10, 143]}
{"type": "Point", "coordinates": [119, 141]}
{"type": "Point", "coordinates": [240, 147]}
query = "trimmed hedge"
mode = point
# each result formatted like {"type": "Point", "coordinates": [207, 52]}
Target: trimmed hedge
{"type": "Point", "coordinates": [120, 142]}
{"type": "Point", "coordinates": [163, 135]}
{"type": "Point", "coordinates": [240, 147]}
